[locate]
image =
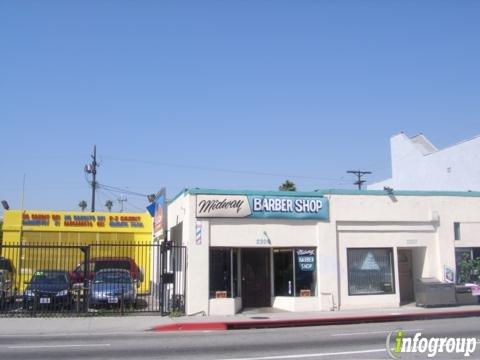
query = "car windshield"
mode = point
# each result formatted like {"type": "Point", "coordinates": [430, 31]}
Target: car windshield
{"type": "Point", "coordinates": [114, 277]}
{"type": "Point", "coordinates": [43, 277]}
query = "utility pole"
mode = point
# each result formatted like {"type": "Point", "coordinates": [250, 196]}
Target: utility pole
{"type": "Point", "coordinates": [92, 169]}
{"type": "Point", "coordinates": [359, 174]}
{"type": "Point", "coordinates": [121, 199]}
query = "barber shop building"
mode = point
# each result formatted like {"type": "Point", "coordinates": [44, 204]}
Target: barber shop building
{"type": "Point", "coordinates": [319, 251]}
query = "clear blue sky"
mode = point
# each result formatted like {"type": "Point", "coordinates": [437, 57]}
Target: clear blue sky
{"type": "Point", "coordinates": [303, 89]}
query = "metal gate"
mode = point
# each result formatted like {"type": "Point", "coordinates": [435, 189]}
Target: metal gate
{"type": "Point", "coordinates": [93, 279]}
{"type": "Point", "coordinates": [172, 266]}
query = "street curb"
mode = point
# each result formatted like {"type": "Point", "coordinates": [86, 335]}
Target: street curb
{"type": "Point", "coordinates": [195, 326]}
{"type": "Point", "coordinates": [265, 324]}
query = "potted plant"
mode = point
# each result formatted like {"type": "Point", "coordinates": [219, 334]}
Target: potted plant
{"type": "Point", "coordinates": [469, 272]}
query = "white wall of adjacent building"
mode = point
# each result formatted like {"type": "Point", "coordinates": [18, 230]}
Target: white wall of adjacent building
{"type": "Point", "coordinates": [418, 165]}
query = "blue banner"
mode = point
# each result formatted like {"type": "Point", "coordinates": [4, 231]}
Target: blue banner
{"type": "Point", "coordinates": [288, 207]}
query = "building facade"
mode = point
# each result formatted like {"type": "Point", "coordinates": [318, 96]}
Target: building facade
{"type": "Point", "coordinates": [418, 165]}
{"type": "Point", "coordinates": [54, 240]}
{"type": "Point", "coordinates": [318, 251]}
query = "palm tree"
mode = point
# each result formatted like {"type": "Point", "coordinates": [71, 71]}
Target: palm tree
{"type": "Point", "coordinates": [109, 205]}
{"type": "Point", "coordinates": [83, 205]}
{"type": "Point", "coordinates": [287, 186]}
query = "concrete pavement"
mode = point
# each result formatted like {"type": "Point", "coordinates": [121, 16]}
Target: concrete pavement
{"type": "Point", "coordinates": [354, 341]}
{"type": "Point", "coordinates": [77, 325]}
{"type": "Point", "coordinates": [248, 319]}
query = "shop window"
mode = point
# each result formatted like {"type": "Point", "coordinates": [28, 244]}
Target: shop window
{"type": "Point", "coordinates": [456, 231]}
{"type": "Point", "coordinates": [283, 272]}
{"type": "Point", "coordinates": [294, 272]}
{"type": "Point", "coordinates": [223, 273]}
{"type": "Point", "coordinates": [305, 279]}
{"type": "Point", "coordinates": [370, 271]}
{"type": "Point", "coordinates": [467, 265]}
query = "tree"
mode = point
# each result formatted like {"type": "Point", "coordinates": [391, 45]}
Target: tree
{"type": "Point", "coordinates": [83, 205]}
{"type": "Point", "coordinates": [469, 269]}
{"type": "Point", "coordinates": [1, 231]}
{"type": "Point", "coordinates": [287, 186]}
{"type": "Point", "coordinates": [109, 205]}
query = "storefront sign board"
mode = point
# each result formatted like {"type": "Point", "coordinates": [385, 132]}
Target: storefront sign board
{"type": "Point", "coordinates": [262, 207]}
{"type": "Point", "coordinates": [79, 221]}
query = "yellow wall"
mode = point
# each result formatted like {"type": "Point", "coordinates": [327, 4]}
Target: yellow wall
{"type": "Point", "coordinates": [108, 234]}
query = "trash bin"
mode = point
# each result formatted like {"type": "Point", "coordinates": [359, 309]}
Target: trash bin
{"type": "Point", "coordinates": [432, 292]}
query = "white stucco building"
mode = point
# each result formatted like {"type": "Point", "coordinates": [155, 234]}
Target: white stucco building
{"type": "Point", "coordinates": [326, 250]}
{"type": "Point", "coordinates": [418, 165]}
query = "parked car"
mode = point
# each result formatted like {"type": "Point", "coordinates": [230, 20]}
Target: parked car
{"type": "Point", "coordinates": [101, 263]}
{"type": "Point", "coordinates": [112, 286]}
{"type": "Point", "coordinates": [50, 289]}
{"type": "Point", "coordinates": [7, 282]}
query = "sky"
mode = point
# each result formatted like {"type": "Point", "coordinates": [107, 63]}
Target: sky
{"type": "Point", "coordinates": [225, 94]}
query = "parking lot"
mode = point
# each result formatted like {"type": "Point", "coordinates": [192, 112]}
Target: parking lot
{"type": "Point", "coordinates": [50, 280]}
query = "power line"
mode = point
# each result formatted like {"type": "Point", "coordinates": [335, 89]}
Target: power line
{"type": "Point", "coordinates": [111, 197]}
{"type": "Point", "coordinates": [126, 191]}
{"type": "Point", "coordinates": [138, 208]}
{"type": "Point", "coordinates": [226, 170]}
{"type": "Point", "coordinates": [107, 197]}
{"type": "Point", "coordinates": [122, 202]}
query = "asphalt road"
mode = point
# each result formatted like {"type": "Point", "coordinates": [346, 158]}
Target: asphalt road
{"type": "Point", "coordinates": [359, 341]}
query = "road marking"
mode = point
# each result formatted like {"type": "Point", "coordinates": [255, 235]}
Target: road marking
{"type": "Point", "coordinates": [373, 332]}
{"type": "Point", "coordinates": [299, 356]}
{"type": "Point", "coordinates": [139, 332]}
{"type": "Point", "coordinates": [56, 346]}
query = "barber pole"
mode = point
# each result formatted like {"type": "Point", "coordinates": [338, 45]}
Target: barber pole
{"type": "Point", "coordinates": [198, 238]}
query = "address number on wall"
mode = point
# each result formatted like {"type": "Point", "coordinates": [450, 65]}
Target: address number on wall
{"type": "Point", "coordinates": [263, 242]}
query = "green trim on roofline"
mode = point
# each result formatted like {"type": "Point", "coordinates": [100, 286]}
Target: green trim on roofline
{"type": "Point", "coordinates": [182, 192]}
{"type": "Point", "coordinates": [321, 193]}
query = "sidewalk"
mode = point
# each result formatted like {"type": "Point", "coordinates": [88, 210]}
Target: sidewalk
{"type": "Point", "coordinates": [250, 319]}
{"type": "Point", "coordinates": [78, 325]}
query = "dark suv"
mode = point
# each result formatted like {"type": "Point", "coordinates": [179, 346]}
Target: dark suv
{"type": "Point", "coordinates": [101, 263]}
{"type": "Point", "coordinates": [7, 281]}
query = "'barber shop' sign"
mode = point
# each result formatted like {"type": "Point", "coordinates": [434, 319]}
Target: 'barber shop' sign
{"type": "Point", "coordinates": [259, 206]}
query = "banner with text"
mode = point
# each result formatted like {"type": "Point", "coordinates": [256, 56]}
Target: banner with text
{"type": "Point", "coordinates": [259, 206]}
{"type": "Point", "coordinates": [160, 217]}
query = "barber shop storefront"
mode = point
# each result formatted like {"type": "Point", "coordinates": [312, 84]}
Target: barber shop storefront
{"type": "Point", "coordinates": [314, 251]}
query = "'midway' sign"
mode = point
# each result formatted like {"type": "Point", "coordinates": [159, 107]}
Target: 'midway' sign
{"type": "Point", "coordinates": [258, 206]}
